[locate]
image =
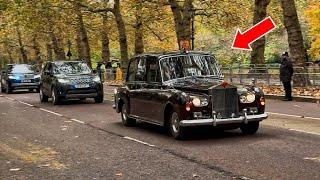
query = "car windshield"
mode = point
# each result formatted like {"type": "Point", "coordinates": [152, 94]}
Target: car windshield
{"type": "Point", "coordinates": [189, 65]}
{"type": "Point", "coordinates": [74, 68]}
{"type": "Point", "coordinates": [21, 69]}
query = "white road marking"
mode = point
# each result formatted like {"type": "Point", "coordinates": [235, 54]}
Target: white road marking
{"type": "Point", "coordinates": [51, 112]}
{"type": "Point", "coordinates": [296, 116]}
{"type": "Point", "coordinates": [138, 141]}
{"type": "Point", "coordinates": [10, 98]}
{"type": "Point", "coordinates": [78, 121]}
{"type": "Point", "coordinates": [26, 103]}
{"type": "Point", "coordinates": [316, 159]}
{"type": "Point", "coordinates": [313, 133]}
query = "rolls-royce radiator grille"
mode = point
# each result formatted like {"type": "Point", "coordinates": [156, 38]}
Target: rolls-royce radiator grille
{"type": "Point", "coordinates": [225, 102]}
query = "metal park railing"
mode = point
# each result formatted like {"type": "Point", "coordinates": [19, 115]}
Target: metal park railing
{"type": "Point", "coordinates": [268, 74]}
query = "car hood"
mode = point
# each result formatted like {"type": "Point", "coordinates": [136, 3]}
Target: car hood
{"type": "Point", "coordinates": [76, 76]}
{"type": "Point", "coordinates": [194, 84]}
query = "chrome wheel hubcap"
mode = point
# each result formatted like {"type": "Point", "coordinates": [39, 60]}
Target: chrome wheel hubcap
{"type": "Point", "coordinates": [175, 122]}
{"type": "Point", "coordinates": [124, 114]}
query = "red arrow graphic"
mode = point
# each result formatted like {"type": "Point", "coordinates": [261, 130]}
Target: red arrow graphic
{"type": "Point", "coordinates": [244, 40]}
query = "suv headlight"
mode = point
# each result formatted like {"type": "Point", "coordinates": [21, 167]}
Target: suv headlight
{"type": "Point", "coordinates": [12, 77]}
{"type": "Point", "coordinates": [247, 98]}
{"type": "Point", "coordinates": [199, 101]}
{"type": "Point", "coordinates": [97, 79]}
{"type": "Point", "coordinates": [63, 81]}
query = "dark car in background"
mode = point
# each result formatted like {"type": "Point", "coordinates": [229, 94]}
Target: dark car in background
{"type": "Point", "coordinates": [180, 90]}
{"type": "Point", "coordinates": [62, 80]}
{"type": "Point", "coordinates": [19, 76]}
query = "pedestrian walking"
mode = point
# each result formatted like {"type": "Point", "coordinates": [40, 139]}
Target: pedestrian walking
{"type": "Point", "coordinates": [286, 72]}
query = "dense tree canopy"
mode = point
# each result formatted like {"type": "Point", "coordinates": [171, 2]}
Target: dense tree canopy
{"type": "Point", "coordinates": [96, 30]}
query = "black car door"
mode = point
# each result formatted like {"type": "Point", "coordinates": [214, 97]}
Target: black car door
{"type": "Point", "coordinates": [136, 83]}
{"type": "Point", "coordinates": [152, 92]}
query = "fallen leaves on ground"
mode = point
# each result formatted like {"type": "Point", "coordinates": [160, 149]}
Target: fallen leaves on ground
{"type": "Point", "coordinates": [296, 91]}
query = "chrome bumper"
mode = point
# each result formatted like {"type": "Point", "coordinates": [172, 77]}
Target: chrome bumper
{"type": "Point", "coordinates": [214, 122]}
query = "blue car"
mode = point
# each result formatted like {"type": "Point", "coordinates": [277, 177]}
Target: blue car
{"type": "Point", "coordinates": [19, 76]}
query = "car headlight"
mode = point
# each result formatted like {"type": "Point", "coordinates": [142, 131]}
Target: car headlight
{"type": "Point", "coordinates": [247, 98]}
{"type": "Point", "coordinates": [12, 77]}
{"type": "Point", "coordinates": [97, 79]}
{"type": "Point", "coordinates": [63, 81]}
{"type": "Point", "coordinates": [199, 102]}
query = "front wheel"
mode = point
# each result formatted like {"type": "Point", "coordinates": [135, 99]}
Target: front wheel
{"type": "Point", "coordinates": [126, 120]}
{"type": "Point", "coordinates": [98, 99]}
{"type": "Point", "coordinates": [250, 128]}
{"type": "Point", "coordinates": [2, 88]}
{"type": "Point", "coordinates": [55, 97]}
{"type": "Point", "coordinates": [43, 97]}
{"type": "Point", "coordinates": [8, 89]}
{"type": "Point", "coordinates": [177, 131]}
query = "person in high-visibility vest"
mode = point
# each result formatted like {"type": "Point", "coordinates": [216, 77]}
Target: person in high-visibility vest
{"type": "Point", "coordinates": [119, 74]}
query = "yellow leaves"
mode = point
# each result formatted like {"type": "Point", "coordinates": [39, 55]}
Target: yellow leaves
{"type": "Point", "coordinates": [313, 16]}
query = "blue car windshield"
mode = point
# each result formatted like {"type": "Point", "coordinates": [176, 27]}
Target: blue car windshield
{"type": "Point", "coordinates": [71, 68]}
{"type": "Point", "coordinates": [189, 65]}
{"type": "Point", "coordinates": [21, 69]}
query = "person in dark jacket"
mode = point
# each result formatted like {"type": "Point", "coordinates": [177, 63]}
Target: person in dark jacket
{"type": "Point", "coordinates": [286, 72]}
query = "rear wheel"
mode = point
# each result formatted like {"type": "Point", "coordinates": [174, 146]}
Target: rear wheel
{"type": "Point", "coordinates": [55, 97]}
{"type": "Point", "coordinates": [176, 130]}
{"type": "Point", "coordinates": [250, 128]}
{"type": "Point", "coordinates": [43, 97]}
{"type": "Point", "coordinates": [38, 90]}
{"type": "Point", "coordinates": [126, 120]}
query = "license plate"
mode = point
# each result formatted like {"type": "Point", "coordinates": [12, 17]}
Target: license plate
{"type": "Point", "coordinates": [26, 81]}
{"type": "Point", "coordinates": [82, 86]}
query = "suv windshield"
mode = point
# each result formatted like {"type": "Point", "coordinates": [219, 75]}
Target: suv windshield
{"type": "Point", "coordinates": [21, 68]}
{"type": "Point", "coordinates": [188, 65]}
{"type": "Point", "coordinates": [75, 68]}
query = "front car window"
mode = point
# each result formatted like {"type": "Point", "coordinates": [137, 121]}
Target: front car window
{"type": "Point", "coordinates": [21, 68]}
{"type": "Point", "coordinates": [189, 65]}
{"type": "Point", "coordinates": [74, 68]}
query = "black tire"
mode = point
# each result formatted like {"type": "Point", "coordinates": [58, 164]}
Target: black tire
{"type": "Point", "coordinates": [176, 130]}
{"type": "Point", "coordinates": [30, 90]}
{"type": "Point", "coordinates": [126, 120]}
{"type": "Point", "coordinates": [83, 99]}
{"type": "Point", "coordinates": [55, 98]}
{"type": "Point", "coordinates": [38, 90]}
{"type": "Point", "coordinates": [8, 89]}
{"type": "Point", "coordinates": [98, 99]}
{"type": "Point", "coordinates": [43, 97]}
{"type": "Point", "coordinates": [3, 90]}
{"type": "Point", "coordinates": [250, 128]}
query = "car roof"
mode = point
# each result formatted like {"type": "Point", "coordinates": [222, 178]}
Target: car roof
{"type": "Point", "coordinates": [174, 53]}
{"type": "Point", "coordinates": [62, 61]}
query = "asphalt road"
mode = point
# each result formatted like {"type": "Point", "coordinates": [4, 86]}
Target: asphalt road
{"type": "Point", "coordinates": [83, 140]}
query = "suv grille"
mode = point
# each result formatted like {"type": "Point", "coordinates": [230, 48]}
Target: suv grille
{"type": "Point", "coordinates": [81, 80]}
{"type": "Point", "coordinates": [225, 102]}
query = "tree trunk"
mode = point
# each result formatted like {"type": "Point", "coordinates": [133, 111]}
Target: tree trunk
{"type": "Point", "coordinates": [182, 19]}
{"type": "Point", "coordinates": [21, 47]}
{"type": "Point", "coordinates": [138, 45]}
{"type": "Point", "coordinates": [82, 34]}
{"type": "Point", "coordinates": [36, 49]}
{"type": "Point", "coordinates": [57, 47]}
{"type": "Point", "coordinates": [105, 38]}
{"type": "Point", "coordinates": [9, 50]}
{"type": "Point", "coordinates": [295, 40]}
{"type": "Point", "coordinates": [260, 13]}
{"type": "Point", "coordinates": [49, 52]}
{"type": "Point", "coordinates": [122, 34]}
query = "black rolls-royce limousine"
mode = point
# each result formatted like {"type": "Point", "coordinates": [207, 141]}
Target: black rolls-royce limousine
{"type": "Point", "coordinates": [184, 89]}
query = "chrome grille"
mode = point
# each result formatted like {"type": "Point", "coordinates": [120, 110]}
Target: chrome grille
{"type": "Point", "coordinates": [225, 102]}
